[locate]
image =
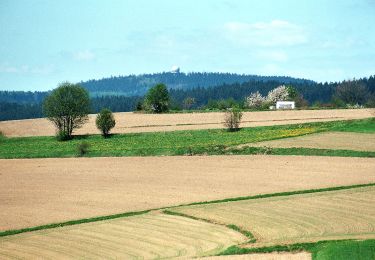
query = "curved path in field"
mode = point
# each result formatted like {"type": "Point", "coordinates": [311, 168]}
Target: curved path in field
{"type": "Point", "coordinates": [134, 122]}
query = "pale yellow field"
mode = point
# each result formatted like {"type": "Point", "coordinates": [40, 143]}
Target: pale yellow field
{"type": "Point", "coordinates": [148, 236]}
{"type": "Point", "coordinates": [134, 122]}
{"type": "Point", "coordinates": [299, 218]}
{"type": "Point", "coordinates": [330, 140]}
{"type": "Point", "coordinates": [41, 191]}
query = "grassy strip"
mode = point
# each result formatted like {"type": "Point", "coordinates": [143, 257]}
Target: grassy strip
{"type": "Point", "coordinates": [128, 214]}
{"type": "Point", "coordinates": [246, 233]}
{"type": "Point", "coordinates": [72, 222]}
{"type": "Point", "coordinates": [287, 193]}
{"type": "Point", "coordinates": [329, 249]}
{"type": "Point", "coordinates": [213, 141]}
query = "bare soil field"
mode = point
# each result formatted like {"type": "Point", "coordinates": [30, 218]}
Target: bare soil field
{"type": "Point", "coordinates": [345, 214]}
{"type": "Point", "coordinates": [136, 122]}
{"type": "Point", "coordinates": [149, 236]}
{"type": "Point", "coordinates": [41, 191]}
{"type": "Point", "coordinates": [330, 140]}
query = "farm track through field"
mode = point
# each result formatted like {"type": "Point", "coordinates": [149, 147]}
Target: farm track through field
{"type": "Point", "coordinates": [149, 236]}
{"type": "Point", "coordinates": [330, 140]}
{"type": "Point", "coordinates": [34, 192]}
{"type": "Point", "coordinates": [134, 122]}
{"type": "Point", "coordinates": [334, 215]}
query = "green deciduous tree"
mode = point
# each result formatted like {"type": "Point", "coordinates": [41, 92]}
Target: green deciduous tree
{"type": "Point", "coordinates": [105, 121]}
{"type": "Point", "coordinates": [157, 99]}
{"type": "Point", "coordinates": [67, 107]}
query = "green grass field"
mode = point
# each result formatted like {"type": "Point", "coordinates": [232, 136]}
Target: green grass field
{"type": "Point", "coordinates": [322, 250]}
{"type": "Point", "coordinates": [217, 141]}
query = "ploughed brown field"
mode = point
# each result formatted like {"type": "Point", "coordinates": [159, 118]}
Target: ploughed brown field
{"type": "Point", "coordinates": [41, 191]}
{"type": "Point", "coordinates": [330, 140]}
{"type": "Point", "coordinates": [136, 122]}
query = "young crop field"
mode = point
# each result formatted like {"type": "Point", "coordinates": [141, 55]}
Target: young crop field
{"type": "Point", "coordinates": [333, 215]}
{"type": "Point", "coordinates": [149, 236]}
{"type": "Point", "coordinates": [42, 191]}
{"type": "Point", "coordinates": [136, 122]}
{"type": "Point", "coordinates": [326, 140]}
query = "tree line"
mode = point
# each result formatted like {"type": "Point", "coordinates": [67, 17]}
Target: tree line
{"type": "Point", "coordinates": [23, 105]}
{"type": "Point", "coordinates": [138, 85]}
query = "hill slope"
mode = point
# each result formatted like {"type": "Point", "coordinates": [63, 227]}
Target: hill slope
{"type": "Point", "coordinates": [137, 85]}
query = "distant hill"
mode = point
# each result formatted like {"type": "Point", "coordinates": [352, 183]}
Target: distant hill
{"type": "Point", "coordinates": [137, 85]}
{"type": "Point", "coordinates": [121, 94]}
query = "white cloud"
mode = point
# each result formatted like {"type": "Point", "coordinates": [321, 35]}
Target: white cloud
{"type": "Point", "coordinates": [274, 33]}
{"type": "Point", "coordinates": [25, 69]}
{"type": "Point", "coordinates": [5, 68]}
{"type": "Point", "coordinates": [85, 55]}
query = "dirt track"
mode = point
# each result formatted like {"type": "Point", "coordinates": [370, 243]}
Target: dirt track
{"type": "Point", "coordinates": [331, 140]}
{"type": "Point", "coordinates": [132, 122]}
{"type": "Point", "coordinates": [41, 191]}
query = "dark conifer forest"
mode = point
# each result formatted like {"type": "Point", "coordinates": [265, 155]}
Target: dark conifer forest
{"type": "Point", "coordinates": [124, 93]}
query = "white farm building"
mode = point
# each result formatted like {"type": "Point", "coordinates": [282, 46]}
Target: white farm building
{"type": "Point", "coordinates": [285, 105]}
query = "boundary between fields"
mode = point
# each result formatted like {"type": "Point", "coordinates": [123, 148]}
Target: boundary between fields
{"type": "Point", "coordinates": [135, 213]}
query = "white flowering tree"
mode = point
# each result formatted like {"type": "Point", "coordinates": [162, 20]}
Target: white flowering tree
{"type": "Point", "coordinates": [278, 94]}
{"type": "Point", "coordinates": [255, 100]}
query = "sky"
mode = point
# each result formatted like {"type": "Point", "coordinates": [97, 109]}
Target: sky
{"type": "Point", "coordinates": [43, 43]}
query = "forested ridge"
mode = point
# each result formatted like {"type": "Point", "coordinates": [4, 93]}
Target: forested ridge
{"type": "Point", "coordinates": [114, 92]}
{"type": "Point", "coordinates": [137, 85]}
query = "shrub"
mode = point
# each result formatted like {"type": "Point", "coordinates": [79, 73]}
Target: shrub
{"type": "Point", "coordinates": [63, 135]}
{"type": "Point", "coordinates": [232, 119]}
{"type": "Point", "coordinates": [83, 148]}
{"type": "Point", "coordinates": [105, 121]}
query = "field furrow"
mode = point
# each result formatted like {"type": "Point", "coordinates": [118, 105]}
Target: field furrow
{"type": "Point", "coordinates": [148, 236]}
{"type": "Point", "coordinates": [297, 218]}
{"type": "Point", "coordinates": [329, 140]}
{"type": "Point", "coordinates": [42, 191]}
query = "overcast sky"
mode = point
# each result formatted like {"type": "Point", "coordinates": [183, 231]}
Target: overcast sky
{"type": "Point", "coordinates": [43, 43]}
